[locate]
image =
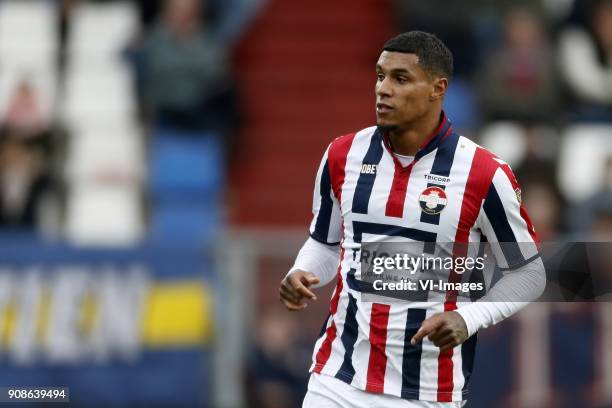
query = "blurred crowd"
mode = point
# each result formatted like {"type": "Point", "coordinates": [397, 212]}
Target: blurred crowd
{"type": "Point", "coordinates": [111, 111]}
{"type": "Point", "coordinates": [527, 74]}
{"type": "Point", "coordinates": [533, 82]}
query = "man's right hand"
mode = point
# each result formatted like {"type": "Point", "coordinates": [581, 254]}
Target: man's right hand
{"type": "Point", "coordinates": [295, 288]}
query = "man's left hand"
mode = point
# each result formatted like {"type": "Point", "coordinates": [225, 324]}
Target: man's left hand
{"type": "Point", "coordinates": [446, 330]}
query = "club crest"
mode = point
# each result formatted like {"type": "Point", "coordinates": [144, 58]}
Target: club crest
{"type": "Point", "coordinates": [433, 200]}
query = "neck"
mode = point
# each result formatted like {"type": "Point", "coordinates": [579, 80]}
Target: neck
{"type": "Point", "coordinates": [408, 140]}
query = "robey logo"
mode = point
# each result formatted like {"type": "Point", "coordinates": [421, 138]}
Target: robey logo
{"type": "Point", "coordinates": [369, 168]}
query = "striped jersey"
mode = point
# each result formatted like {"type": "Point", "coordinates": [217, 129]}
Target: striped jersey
{"type": "Point", "coordinates": [454, 191]}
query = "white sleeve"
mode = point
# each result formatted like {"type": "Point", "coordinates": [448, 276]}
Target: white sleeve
{"type": "Point", "coordinates": [318, 258]}
{"type": "Point", "coordinates": [525, 284]}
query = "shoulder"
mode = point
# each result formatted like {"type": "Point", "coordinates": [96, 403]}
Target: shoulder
{"type": "Point", "coordinates": [481, 164]}
{"type": "Point", "coordinates": [340, 146]}
{"type": "Point", "coordinates": [478, 156]}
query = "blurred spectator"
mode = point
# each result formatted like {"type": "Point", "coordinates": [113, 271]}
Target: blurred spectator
{"type": "Point", "coordinates": [541, 202]}
{"type": "Point", "coordinates": [186, 73]}
{"type": "Point", "coordinates": [602, 226]}
{"type": "Point", "coordinates": [24, 117]}
{"type": "Point", "coordinates": [540, 192]}
{"type": "Point", "coordinates": [450, 21]}
{"type": "Point", "coordinates": [25, 147]}
{"type": "Point", "coordinates": [586, 59]}
{"type": "Point", "coordinates": [594, 213]}
{"type": "Point", "coordinates": [280, 361]}
{"type": "Point", "coordinates": [23, 181]}
{"type": "Point", "coordinates": [228, 19]}
{"type": "Point", "coordinates": [518, 80]}
{"type": "Point", "coordinates": [232, 17]}
{"type": "Point", "coordinates": [468, 27]}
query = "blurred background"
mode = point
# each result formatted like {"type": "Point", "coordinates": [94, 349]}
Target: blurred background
{"type": "Point", "coordinates": [157, 160]}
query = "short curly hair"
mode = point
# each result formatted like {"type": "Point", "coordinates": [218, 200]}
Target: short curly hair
{"type": "Point", "coordinates": [434, 56]}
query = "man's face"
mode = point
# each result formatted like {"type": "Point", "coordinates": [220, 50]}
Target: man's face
{"type": "Point", "coordinates": [404, 91]}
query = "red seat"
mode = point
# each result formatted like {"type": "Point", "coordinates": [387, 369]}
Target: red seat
{"type": "Point", "coordinates": [307, 75]}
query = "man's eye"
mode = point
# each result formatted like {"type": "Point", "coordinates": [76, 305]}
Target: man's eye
{"type": "Point", "coordinates": [380, 77]}
{"type": "Point", "coordinates": [402, 80]}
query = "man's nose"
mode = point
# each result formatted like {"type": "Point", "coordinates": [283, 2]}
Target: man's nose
{"type": "Point", "coordinates": [383, 88]}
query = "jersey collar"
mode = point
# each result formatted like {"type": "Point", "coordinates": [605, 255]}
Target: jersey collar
{"type": "Point", "coordinates": [432, 142]}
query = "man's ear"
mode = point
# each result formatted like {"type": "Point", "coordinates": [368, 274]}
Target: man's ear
{"type": "Point", "coordinates": [440, 84]}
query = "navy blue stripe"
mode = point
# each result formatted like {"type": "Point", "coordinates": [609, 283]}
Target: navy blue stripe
{"type": "Point", "coordinates": [368, 287]}
{"type": "Point", "coordinates": [494, 209]}
{"type": "Point", "coordinates": [521, 264]}
{"type": "Point", "coordinates": [443, 162]}
{"type": "Point", "coordinates": [365, 183]}
{"type": "Point", "coordinates": [445, 156]}
{"type": "Point", "coordinates": [477, 275]}
{"type": "Point", "coordinates": [431, 218]}
{"type": "Point", "coordinates": [321, 229]}
{"type": "Point", "coordinates": [324, 328]}
{"type": "Point", "coordinates": [324, 242]}
{"type": "Point", "coordinates": [360, 227]}
{"type": "Point", "coordinates": [411, 361]}
{"type": "Point", "coordinates": [468, 351]}
{"type": "Point", "coordinates": [435, 142]}
{"type": "Point", "coordinates": [355, 284]}
{"type": "Point", "coordinates": [348, 338]}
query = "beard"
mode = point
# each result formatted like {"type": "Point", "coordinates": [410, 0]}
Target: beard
{"type": "Point", "coordinates": [386, 128]}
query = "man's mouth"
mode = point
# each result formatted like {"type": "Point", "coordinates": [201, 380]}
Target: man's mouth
{"type": "Point", "coordinates": [383, 108]}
